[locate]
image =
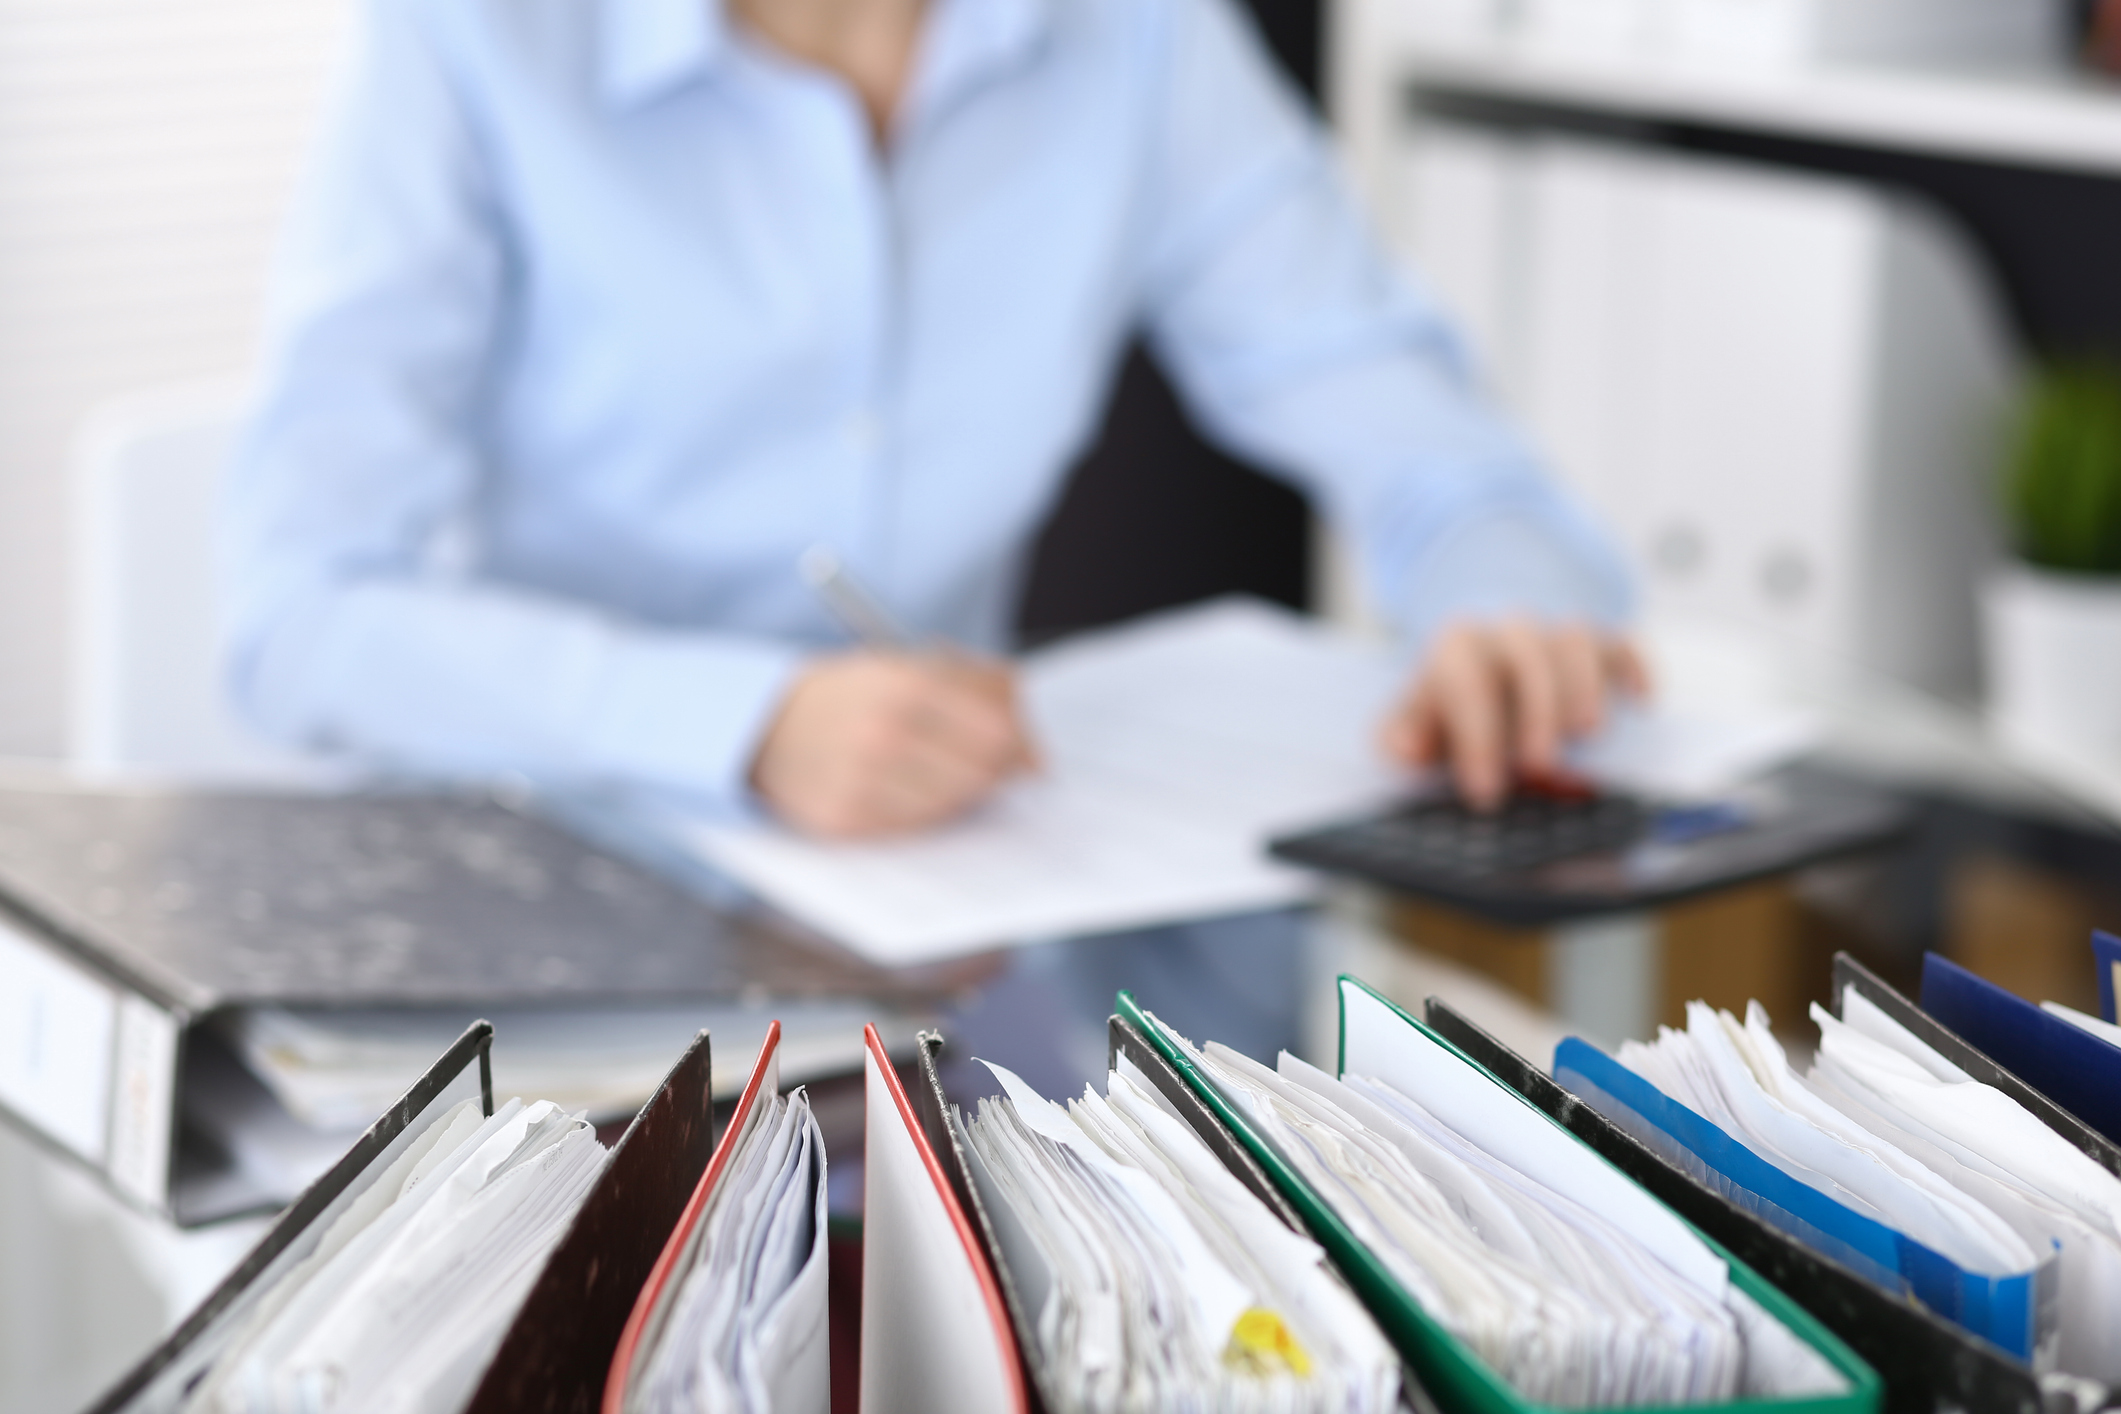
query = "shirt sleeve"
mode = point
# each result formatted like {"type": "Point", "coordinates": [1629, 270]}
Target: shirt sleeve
{"type": "Point", "coordinates": [353, 624]}
{"type": "Point", "coordinates": [1296, 343]}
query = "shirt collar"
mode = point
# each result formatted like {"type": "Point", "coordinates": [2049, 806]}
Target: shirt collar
{"type": "Point", "coordinates": [969, 41]}
{"type": "Point", "coordinates": [651, 46]}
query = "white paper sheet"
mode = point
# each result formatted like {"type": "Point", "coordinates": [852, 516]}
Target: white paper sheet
{"type": "Point", "coordinates": [413, 1288]}
{"type": "Point", "coordinates": [1175, 746]}
{"type": "Point", "coordinates": [1147, 1259]}
{"type": "Point", "coordinates": [334, 1070]}
{"type": "Point", "coordinates": [744, 1329]}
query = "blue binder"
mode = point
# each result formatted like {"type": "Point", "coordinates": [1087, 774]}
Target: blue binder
{"type": "Point", "coordinates": [2010, 1312]}
{"type": "Point", "coordinates": [2072, 1067]}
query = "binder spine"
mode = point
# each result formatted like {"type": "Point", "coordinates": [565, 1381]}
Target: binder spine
{"type": "Point", "coordinates": [90, 1066]}
{"type": "Point", "coordinates": [144, 1100]}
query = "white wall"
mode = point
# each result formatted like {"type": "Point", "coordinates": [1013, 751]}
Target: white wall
{"type": "Point", "coordinates": [146, 150]}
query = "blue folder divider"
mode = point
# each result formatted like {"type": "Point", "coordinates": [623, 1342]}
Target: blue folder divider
{"type": "Point", "coordinates": [2068, 1064]}
{"type": "Point", "coordinates": [2011, 1312]}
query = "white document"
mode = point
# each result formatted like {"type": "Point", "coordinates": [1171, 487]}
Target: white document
{"type": "Point", "coordinates": [1739, 1079]}
{"type": "Point", "coordinates": [1572, 1285]}
{"type": "Point", "coordinates": [1175, 747]}
{"type": "Point", "coordinates": [1684, 756]}
{"type": "Point", "coordinates": [334, 1070]}
{"type": "Point", "coordinates": [744, 1326]}
{"type": "Point", "coordinates": [1991, 1147]}
{"type": "Point", "coordinates": [413, 1287]}
{"type": "Point", "coordinates": [1153, 1278]}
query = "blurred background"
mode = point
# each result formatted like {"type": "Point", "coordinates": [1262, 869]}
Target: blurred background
{"type": "Point", "coordinates": [1816, 301]}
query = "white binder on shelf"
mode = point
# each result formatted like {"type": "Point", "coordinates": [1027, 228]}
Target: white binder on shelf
{"type": "Point", "coordinates": [1779, 389]}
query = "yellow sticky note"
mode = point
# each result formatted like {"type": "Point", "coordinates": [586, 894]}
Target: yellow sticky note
{"type": "Point", "coordinates": [1261, 1343]}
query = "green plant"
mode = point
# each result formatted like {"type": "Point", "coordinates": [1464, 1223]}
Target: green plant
{"type": "Point", "coordinates": [2063, 487]}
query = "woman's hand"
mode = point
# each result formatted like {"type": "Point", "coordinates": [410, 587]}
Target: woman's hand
{"type": "Point", "coordinates": [1499, 700]}
{"type": "Point", "coordinates": [868, 744]}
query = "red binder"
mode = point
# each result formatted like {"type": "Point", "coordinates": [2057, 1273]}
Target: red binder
{"type": "Point", "coordinates": [936, 1336]}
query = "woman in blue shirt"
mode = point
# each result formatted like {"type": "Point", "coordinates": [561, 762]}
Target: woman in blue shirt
{"type": "Point", "coordinates": [596, 313]}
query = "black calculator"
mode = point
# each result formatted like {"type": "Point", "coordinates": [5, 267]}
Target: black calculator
{"type": "Point", "coordinates": [1549, 854]}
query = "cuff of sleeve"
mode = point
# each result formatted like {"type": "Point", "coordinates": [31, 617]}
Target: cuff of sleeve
{"type": "Point", "coordinates": [686, 716]}
{"type": "Point", "coordinates": [1509, 563]}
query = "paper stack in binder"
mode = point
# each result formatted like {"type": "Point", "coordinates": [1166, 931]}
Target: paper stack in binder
{"type": "Point", "coordinates": [1901, 1154]}
{"type": "Point", "coordinates": [1138, 1267]}
{"type": "Point", "coordinates": [1511, 1266]}
{"type": "Point", "coordinates": [733, 1316]}
{"type": "Point", "coordinates": [1926, 1362]}
{"type": "Point", "coordinates": [459, 1257]}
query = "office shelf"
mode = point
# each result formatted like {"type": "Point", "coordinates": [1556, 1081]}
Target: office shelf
{"type": "Point", "coordinates": [2059, 121]}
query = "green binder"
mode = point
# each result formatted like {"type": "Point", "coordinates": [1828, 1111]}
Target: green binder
{"type": "Point", "coordinates": [1460, 1381]}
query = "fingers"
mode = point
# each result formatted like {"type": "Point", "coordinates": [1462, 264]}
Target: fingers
{"type": "Point", "coordinates": [1581, 674]}
{"type": "Point", "coordinates": [1501, 700]}
{"type": "Point", "coordinates": [872, 744]}
{"type": "Point", "coordinates": [1457, 715]}
{"type": "Point", "coordinates": [1626, 669]}
{"type": "Point", "coordinates": [996, 683]}
{"type": "Point", "coordinates": [1529, 666]}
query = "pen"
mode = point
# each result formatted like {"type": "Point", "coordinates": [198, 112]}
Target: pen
{"type": "Point", "coordinates": [856, 610]}
{"type": "Point", "coordinates": [871, 623]}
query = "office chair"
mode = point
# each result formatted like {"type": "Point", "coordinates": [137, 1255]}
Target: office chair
{"type": "Point", "coordinates": [146, 686]}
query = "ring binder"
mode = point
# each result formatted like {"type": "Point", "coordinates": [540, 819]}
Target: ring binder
{"type": "Point", "coordinates": [1927, 1363]}
{"type": "Point", "coordinates": [559, 1344]}
{"type": "Point", "coordinates": [1452, 1374]}
{"type": "Point", "coordinates": [170, 1370]}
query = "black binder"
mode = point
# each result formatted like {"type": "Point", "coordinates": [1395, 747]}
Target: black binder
{"type": "Point", "coordinates": [557, 1354]}
{"type": "Point", "coordinates": [941, 1128]}
{"type": "Point", "coordinates": [172, 1368]}
{"type": "Point", "coordinates": [558, 1348]}
{"type": "Point", "coordinates": [1929, 1365]}
{"type": "Point", "coordinates": [153, 910]}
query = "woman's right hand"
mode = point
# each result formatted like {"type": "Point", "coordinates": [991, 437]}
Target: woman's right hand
{"type": "Point", "coordinates": [867, 744]}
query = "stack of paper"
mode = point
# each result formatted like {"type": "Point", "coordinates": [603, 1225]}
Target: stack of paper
{"type": "Point", "coordinates": [337, 1069]}
{"type": "Point", "coordinates": [1896, 1131]}
{"type": "Point", "coordinates": [746, 1328]}
{"type": "Point", "coordinates": [1739, 1078]}
{"type": "Point", "coordinates": [331, 1072]}
{"type": "Point", "coordinates": [1986, 1144]}
{"type": "Point", "coordinates": [1568, 1305]}
{"type": "Point", "coordinates": [1513, 1267]}
{"type": "Point", "coordinates": [412, 1287]}
{"type": "Point", "coordinates": [1156, 1280]}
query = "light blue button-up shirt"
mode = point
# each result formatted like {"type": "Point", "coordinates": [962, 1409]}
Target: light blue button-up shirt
{"type": "Point", "coordinates": [596, 313]}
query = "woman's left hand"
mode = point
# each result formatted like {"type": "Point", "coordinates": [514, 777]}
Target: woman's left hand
{"type": "Point", "coordinates": [1498, 700]}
